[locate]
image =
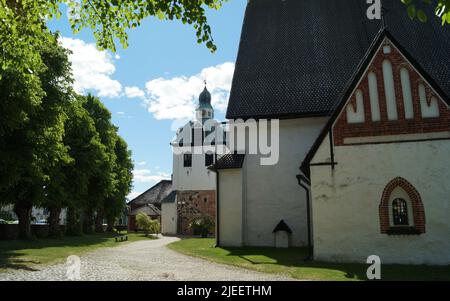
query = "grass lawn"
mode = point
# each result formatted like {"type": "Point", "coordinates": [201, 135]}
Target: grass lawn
{"type": "Point", "coordinates": [31, 254]}
{"type": "Point", "coordinates": [290, 262]}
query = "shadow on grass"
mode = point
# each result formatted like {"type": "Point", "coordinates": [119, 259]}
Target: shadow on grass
{"type": "Point", "coordinates": [293, 262]}
{"type": "Point", "coordinates": [21, 254]}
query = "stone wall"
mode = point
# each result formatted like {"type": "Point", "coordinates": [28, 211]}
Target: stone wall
{"type": "Point", "coordinates": [347, 203]}
{"type": "Point", "coordinates": [192, 204]}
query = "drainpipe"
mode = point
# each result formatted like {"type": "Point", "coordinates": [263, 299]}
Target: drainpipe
{"type": "Point", "coordinates": [213, 169]}
{"type": "Point", "coordinates": [305, 184]}
{"type": "Point", "coordinates": [217, 211]}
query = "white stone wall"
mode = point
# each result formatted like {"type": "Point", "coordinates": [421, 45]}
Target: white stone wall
{"type": "Point", "coordinates": [230, 207]}
{"type": "Point", "coordinates": [345, 202]}
{"type": "Point", "coordinates": [169, 218]}
{"type": "Point", "coordinates": [272, 193]}
{"type": "Point", "coordinates": [197, 177]}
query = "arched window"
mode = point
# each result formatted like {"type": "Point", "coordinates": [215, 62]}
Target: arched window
{"type": "Point", "coordinates": [356, 115]}
{"type": "Point", "coordinates": [389, 90]}
{"type": "Point", "coordinates": [407, 93]}
{"type": "Point", "coordinates": [429, 109]}
{"type": "Point", "coordinates": [400, 212]}
{"type": "Point", "coordinates": [374, 99]}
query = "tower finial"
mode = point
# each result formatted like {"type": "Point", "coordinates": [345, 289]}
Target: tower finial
{"type": "Point", "coordinates": [383, 16]}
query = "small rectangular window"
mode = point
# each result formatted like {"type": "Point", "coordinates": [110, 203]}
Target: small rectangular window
{"type": "Point", "coordinates": [209, 159]}
{"type": "Point", "coordinates": [187, 160]}
{"type": "Point", "coordinates": [400, 212]}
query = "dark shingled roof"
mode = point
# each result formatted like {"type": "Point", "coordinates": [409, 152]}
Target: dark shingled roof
{"type": "Point", "coordinates": [148, 209]}
{"type": "Point", "coordinates": [229, 161]}
{"type": "Point", "coordinates": [296, 57]}
{"type": "Point", "coordinates": [282, 226]}
{"type": "Point", "coordinates": [170, 198]}
{"type": "Point", "coordinates": [154, 195]}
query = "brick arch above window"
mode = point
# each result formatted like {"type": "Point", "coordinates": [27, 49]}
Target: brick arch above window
{"type": "Point", "coordinates": [418, 211]}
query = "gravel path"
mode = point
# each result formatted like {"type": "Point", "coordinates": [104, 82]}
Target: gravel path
{"type": "Point", "coordinates": [142, 260]}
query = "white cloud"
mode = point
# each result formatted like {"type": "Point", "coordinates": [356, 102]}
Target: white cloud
{"type": "Point", "coordinates": [134, 92]}
{"type": "Point", "coordinates": [142, 163]}
{"type": "Point", "coordinates": [120, 113]}
{"type": "Point", "coordinates": [146, 176]}
{"type": "Point", "coordinates": [92, 69]}
{"type": "Point", "coordinates": [175, 98]}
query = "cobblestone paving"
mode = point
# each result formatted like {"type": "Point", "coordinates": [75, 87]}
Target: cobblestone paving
{"type": "Point", "coordinates": [142, 260]}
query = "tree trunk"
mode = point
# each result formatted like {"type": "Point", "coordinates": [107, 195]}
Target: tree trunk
{"type": "Point", "coordinates": [88, 222]}
{"type": "Point", "coordinates": [23, 212]}
{"type": "Point", "coordinates": [53, 222]}
{"type": "Point", "coordinates": [99, 221]}
{"type": "Point", "coordinates": [74, 226]}
{"type": "Point", "coordinates": [110, 222]}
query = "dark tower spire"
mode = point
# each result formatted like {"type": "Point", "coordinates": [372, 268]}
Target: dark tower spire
{"type": "Point", "coordinates": [384, 12]}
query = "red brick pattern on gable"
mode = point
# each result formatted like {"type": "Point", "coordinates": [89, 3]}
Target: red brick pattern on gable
{"type": "Point", "coordinates": [342, 129]}
{"type": "Point", "coordinates": [416, 204]}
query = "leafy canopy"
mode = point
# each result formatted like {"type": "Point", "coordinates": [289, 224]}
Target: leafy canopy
{"type": "Point", "coordinates": [442, 9]}
{"type": "Point", "coordinates": [110, 20]}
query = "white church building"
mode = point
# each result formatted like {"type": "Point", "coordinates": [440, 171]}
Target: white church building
{"type": "Point", "coordinates": [364, 110]}
{"type": "Point", "coordinates": [193, 184]}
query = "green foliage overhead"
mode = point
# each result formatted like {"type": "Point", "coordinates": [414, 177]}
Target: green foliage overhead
{"type": "Point", "coordinates": [442, 9]}
{"type": "Point", "coordinates": [111, 19]}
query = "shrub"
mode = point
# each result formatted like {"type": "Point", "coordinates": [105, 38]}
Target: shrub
{"type": "Point", "coordinates": [202, 225]}
{"type": "Point", "coordinates": [146, 224]}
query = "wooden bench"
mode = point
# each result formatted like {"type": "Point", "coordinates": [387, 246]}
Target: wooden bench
{"type": "Point", "coordinates": [121, 238]}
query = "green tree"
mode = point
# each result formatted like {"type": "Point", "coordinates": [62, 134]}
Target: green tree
{"type": "Point", "coordinates": [103, 181]}
{"type": "Point", "coordinates": [87, 153]}
{"type": "Point", "coordinates": [57, 84]}
{"type": "Point", "coordinates": [146, 224]}
{"type": "Point", "coordinates": [34, 145]}
{"type": "Point", "coordinates": [123, 169]}
{"type": "Point", "coordinates": [23, 34]}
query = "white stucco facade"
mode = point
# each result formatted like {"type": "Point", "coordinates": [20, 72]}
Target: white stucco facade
{"type": "Point", "coordinates": [270, 193]}
{"type": "Point", "coordinates": [196, 177]}
{"type": "Point", "coordinates": [230, 208]}
{"type": "Point", "coordinates": [169, 218]}
{"type": "Point", "coordinates": [345, 202]}
{"type": "Point", "coordinates": [194, 151]}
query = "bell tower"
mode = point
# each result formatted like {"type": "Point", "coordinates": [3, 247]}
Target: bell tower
{"type": "Point", "coordinates": [204, 110]}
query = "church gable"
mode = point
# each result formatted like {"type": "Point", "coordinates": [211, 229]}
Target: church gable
{"type": "Point", "coordinates": [392, 102]}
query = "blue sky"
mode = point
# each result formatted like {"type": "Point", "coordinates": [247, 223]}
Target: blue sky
{"type": "Point", "coordinates": [151, 87]}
